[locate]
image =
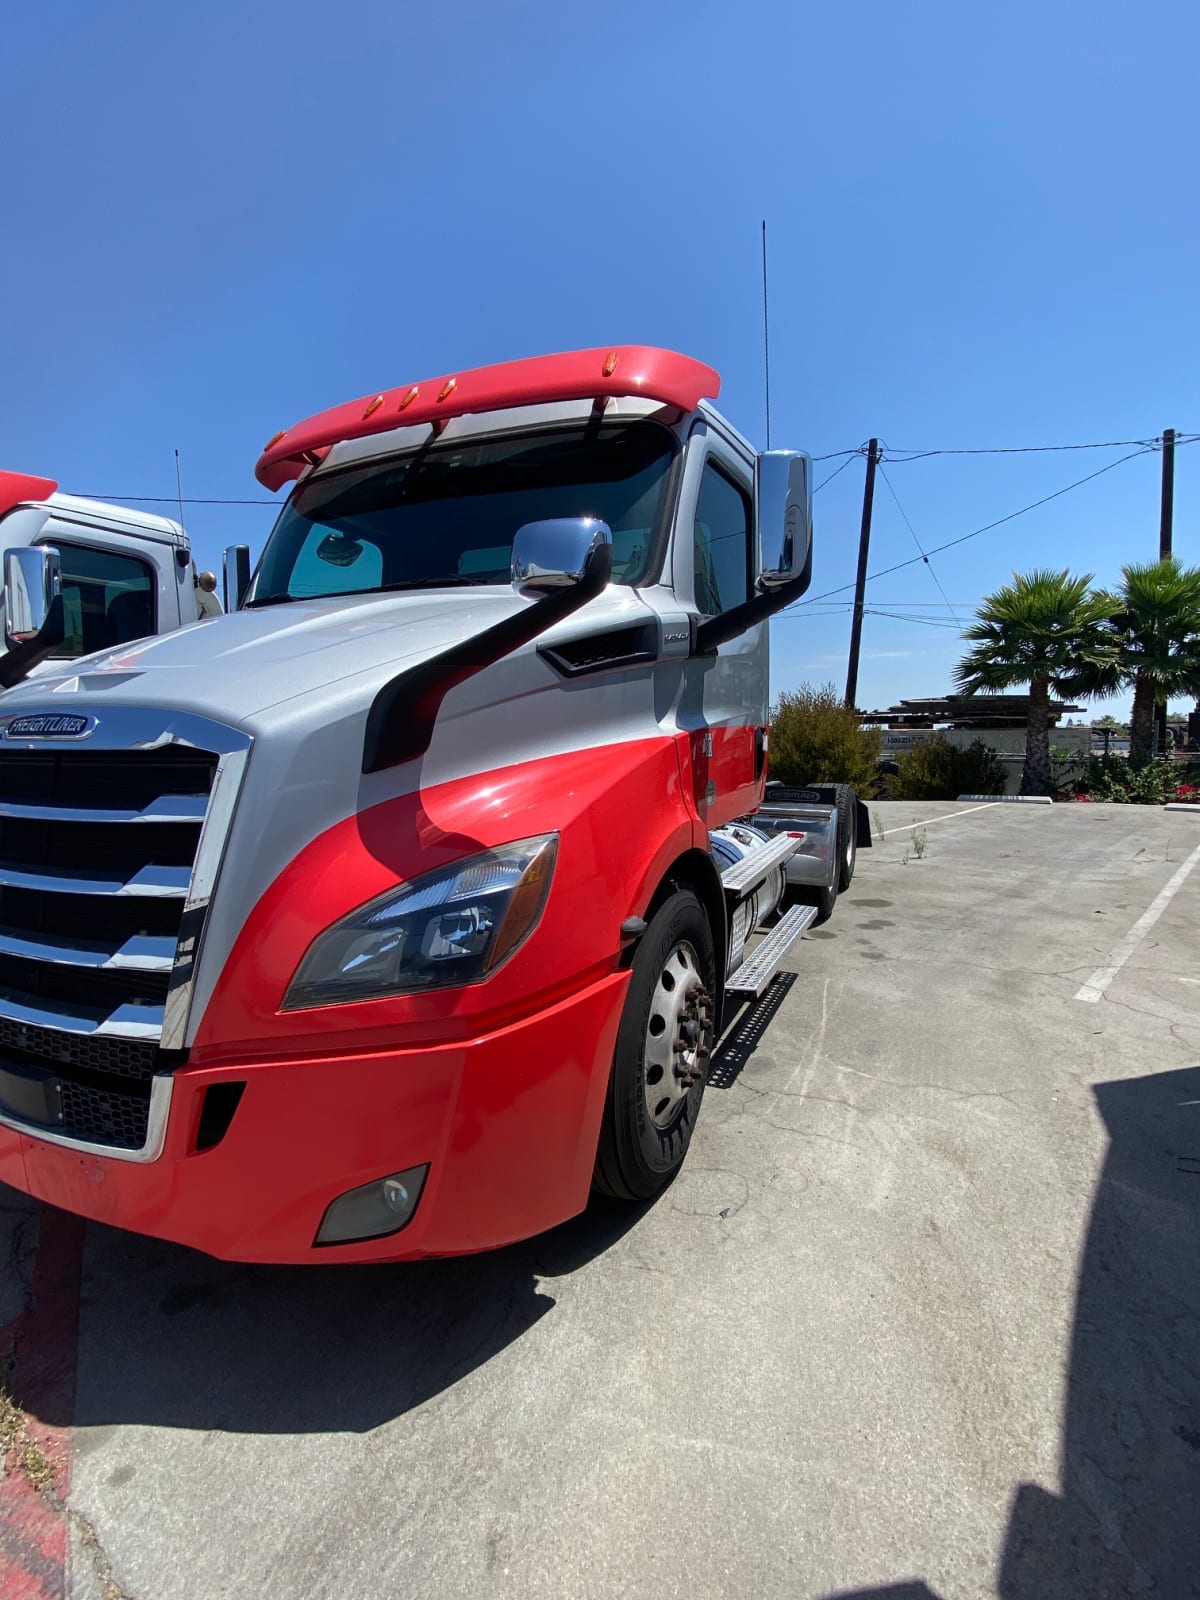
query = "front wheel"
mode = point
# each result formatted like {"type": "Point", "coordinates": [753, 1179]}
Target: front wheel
{"type": "Point", "coordinates": [664, 1044]}
{"type": "Point", "coordinates": [847, 835]}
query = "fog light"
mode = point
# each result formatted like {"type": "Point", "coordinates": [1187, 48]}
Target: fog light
{"type": "Point", "coordinates": [384, 1206]}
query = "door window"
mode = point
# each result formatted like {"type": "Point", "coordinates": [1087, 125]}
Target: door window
{"type": "Point", "coordinates": [108, 598]}
{"type": "Point", "coordinates": [722, 543]}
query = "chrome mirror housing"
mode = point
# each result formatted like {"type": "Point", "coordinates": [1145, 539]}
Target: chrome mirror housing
{"type": "Point", "coordinates": [556, 554]}
{"type": "Point", "coordinates": [32, 581]}
{"type": "Point", "coordinates": [784, 483]}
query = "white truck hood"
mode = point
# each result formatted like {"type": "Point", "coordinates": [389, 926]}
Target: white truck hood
{"type": "Point", "coordinates": [235, 668]}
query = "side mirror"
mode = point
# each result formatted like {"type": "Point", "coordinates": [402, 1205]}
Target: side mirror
{"type": "Point", "coordinates": [558, 553]}
{"type": "Point", "coordinates": [784, 496]}
{"type": "Point", "coordinates": [237, 575]}
{"type": "Point", "coordinates": [32, 582]}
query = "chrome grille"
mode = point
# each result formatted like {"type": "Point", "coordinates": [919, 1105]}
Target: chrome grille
{"type": "Point", "coordinates": [100, 850]}
{"type": "Point", "coordinates": [87, 839]}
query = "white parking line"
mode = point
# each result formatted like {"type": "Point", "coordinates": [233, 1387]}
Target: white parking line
{"type": "Point", "coordinates": [1099, 981]}
{"type": "Point", "coordinates": [929, 821]}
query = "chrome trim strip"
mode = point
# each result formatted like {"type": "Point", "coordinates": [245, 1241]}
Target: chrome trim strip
{"type": "Point", "coordinates": [210, 851]}
{"type": "Point", "coordinates": [124, 727]}
{"type": "Point", "coordinates": [167, 808]}
{"type": "Point", "coordinates": [126, 1022]}
{"type": "Point", "coordinates": [156, 1129]}
{"type": "Point", "coordinates": [143, 953]}
{"type": "Point", "coordinates": [149, 883]}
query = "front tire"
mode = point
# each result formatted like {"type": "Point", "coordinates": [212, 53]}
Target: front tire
{"type": "Point", "coordinates": [664, 1044]}
{"type": "Point", "coordinates": [847, 835]}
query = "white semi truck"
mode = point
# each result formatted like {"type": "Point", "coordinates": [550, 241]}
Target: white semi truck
{"type": "Point", "coordinates": [393, 912]}
{"type": "Point", "coordinates": [121, 574]}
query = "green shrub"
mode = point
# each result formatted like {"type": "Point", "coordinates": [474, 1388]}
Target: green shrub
{"type": "Point", "coordinates": [817, 739]}
{"type": "Point", "coordinates": [1113, 778]}
{"type": "Point", "coordinates": [935, 769]}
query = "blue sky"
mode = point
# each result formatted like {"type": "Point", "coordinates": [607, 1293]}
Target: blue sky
{"type": "Point", "coordinates": [982, 233]}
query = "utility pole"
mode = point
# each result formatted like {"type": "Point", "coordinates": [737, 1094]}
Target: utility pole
{"type": "Point", "coordinates": [1166, 518]}
{"type": "Point", "coordinates": [860, 584]}
{"type": "Point", "coordinates": [1167, 511]}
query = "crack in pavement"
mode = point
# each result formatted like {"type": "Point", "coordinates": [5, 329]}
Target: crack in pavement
{"type": "Point", "coordinates": [90, 1540]}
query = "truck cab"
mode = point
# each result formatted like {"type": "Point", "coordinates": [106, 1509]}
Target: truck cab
{"type": "Point", "coordinates": [390, 914]}
{"type": "Point", "coordinates": [122, 574]}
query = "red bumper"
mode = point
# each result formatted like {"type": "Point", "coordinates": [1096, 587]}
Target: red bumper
{"type": "Point", "coordinates": [508, 1124]}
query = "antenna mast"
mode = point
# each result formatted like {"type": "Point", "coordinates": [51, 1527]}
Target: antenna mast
{"type": "Point", "coordinates": [766, 336]}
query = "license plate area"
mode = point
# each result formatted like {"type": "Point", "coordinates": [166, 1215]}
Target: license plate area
{"type": "Point", "coordinates": [29, 1095]}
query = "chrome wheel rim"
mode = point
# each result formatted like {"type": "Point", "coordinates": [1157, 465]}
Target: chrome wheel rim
{"type": "Point", "coordinates": [679, 1035]}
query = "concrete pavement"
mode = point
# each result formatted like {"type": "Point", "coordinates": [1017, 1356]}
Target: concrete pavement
{"type": "Point", "coordinates": [918, 1317]}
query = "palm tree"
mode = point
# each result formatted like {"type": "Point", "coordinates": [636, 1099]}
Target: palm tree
{"type": "Point", "coordinates": [1045, 629]}
{"type": "Point", "coordinates": [1156, 626]}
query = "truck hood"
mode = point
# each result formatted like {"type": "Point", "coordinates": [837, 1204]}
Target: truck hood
{"type": "Point", "coordinates": [250, 661]}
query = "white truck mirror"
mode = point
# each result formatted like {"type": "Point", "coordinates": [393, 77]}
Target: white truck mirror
{"type": "Point", "coordinates": [556, 554]}
{"type": "Point", "coordinates": [784, 484]}
{"type": "Point", "coordinates": [32, 581]}
{"type": "Point", "coordinates": [237, 575]}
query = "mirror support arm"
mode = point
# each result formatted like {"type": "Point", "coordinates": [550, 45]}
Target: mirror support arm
{"type": "Point", "coordinates": [401, 720]}
{"type": "Point", "coordinates": [740, 619]}
{"type": "Point", "coordinates": [20, 659]}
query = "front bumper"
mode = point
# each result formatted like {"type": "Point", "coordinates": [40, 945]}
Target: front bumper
{"type": "Point", "coordinates": [508, 1123]}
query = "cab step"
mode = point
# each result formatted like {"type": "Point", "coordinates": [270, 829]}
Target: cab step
{"type": "Point", "coordinates": [756, 972]}
{"type": "Point", "coordinates": [745, 874]}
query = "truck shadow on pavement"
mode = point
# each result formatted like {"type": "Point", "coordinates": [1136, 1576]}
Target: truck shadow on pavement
{"type": "Point", "coordinates": [174, 1339]}
{"type": "Point", "coordinates": [171, 1338]}
{"type": "Point", "coordinates": [1126, 1520]}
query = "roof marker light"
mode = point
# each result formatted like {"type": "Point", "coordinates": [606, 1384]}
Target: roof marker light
{"type": "Point", "coordinates": [448, 388]}
{"type": "Point", "coordinates": [274, 440]}
{"type": "Point", "coordinates": [409, 397]}
{"type": "Point", "coordinates": [373, 406]}
{"type": "Point", "coordinates": [610, 365]}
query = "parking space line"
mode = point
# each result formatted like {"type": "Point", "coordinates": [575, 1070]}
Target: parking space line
{"type": "Point", "coordinates": [929, 821]}
{"type": "Point", "coordinates": [1099, 981]}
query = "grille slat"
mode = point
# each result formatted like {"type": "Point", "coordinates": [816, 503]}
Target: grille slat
{"type": "Point", "coordinates": [107, 779]}
{"type": "Point", "coordinates": [180, 808]}
{"type": "Point", "coordinates": [96, 854]}
{"type": "Point", "coordinates": [138, 953]}
{"type": "Point", "coordinates": [167, 883]}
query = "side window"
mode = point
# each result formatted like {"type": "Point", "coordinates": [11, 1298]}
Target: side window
{"type": "Point", "coordinates": [721, 544]}
{"type": "Point", "coordinates": [108, 598]}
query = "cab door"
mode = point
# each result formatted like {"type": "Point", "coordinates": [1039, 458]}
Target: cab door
{"type": "Point", "coordinates": [723, 709]}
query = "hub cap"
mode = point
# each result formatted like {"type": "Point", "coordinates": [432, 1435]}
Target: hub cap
{"type": "Point", "coordinates": [679, 1035]}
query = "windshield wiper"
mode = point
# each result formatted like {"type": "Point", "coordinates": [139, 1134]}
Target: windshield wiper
{"type": "Point", "coordinates": [451, 581]}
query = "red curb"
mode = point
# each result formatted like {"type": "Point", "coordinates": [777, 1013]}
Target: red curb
{"type": "Point", "coordinates": [40, 1346]}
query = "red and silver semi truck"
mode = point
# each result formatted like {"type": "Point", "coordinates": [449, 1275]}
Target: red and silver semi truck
{"type": "Point", "coordinates": [121, 574]}
{"type": "Point", "coordinates": [389, 914]}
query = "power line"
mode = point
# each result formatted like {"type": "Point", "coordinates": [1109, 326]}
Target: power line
{"type": "Point", "coordinates": [897, 458]}
{"type": "Point", "coordinates": [174, 500]}
{"type": "Point", "coordinates": [975, 533]}
{"type": "Point", "coordinates": [834, 473]}
{"type": "Point", "coordinates": [917, 542]}
{"type": "Point", "coordinates": [900, 456]}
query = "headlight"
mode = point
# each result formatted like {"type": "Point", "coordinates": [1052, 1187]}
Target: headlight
{"type": "Point", "coordinates": [446, 928]}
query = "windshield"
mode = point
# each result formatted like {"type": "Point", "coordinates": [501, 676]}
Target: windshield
{"type": "Point", "coordinates": [447, 514]}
